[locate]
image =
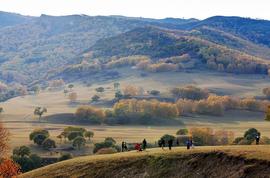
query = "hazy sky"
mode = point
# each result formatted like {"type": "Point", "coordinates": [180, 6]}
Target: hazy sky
{"type": "Point", "coordinates": [142, 8]}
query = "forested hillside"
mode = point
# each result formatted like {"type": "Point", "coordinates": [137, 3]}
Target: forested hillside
{"type": "Point", "coordinates": [34, 50]}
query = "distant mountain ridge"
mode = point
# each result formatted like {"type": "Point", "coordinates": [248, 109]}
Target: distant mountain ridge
{"type": "Point", "coordinates": [11, 19]}
{"type": "Point", "coordinates": [32, 47]}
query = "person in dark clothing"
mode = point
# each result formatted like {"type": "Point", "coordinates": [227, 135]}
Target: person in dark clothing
{"type": "Point", "coordinates": [162, 143]}
{"type": "Point", "coordinates": [159, 143]}
{"type": "Point", "coordinates": [144, 144]}
{"type": "Point", "coordinates": [191, 142]}
{"type": "Point", "coordinates": [257, 139]}
{"type": "Point", "coordinates": [170, 143]}
{"type": "Point", "coordinates": [188, 144]}
{"type": "Point", "coordinates": [123, 146]}
{"type": "Point", "coordinates": [177, 142]}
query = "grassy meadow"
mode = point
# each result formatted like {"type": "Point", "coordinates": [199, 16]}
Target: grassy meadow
{"type": "Point", "coordinates": [19, 119]}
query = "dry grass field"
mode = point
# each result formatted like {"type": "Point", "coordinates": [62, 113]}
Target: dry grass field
{"type": "Point", "coordinates": [19, 119]}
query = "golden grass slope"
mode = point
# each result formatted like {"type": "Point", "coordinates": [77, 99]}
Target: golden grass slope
{"type": "Point", "coordinates": [222, 161]}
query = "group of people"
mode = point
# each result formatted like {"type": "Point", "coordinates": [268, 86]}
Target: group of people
{"type": "Point", "coordinates": [161, 143]}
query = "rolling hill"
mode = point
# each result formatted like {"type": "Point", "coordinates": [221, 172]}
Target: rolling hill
{"type": "Point", "coordinates": [233, 161]}
{"type": "Point", "coordinates": [34, 50]}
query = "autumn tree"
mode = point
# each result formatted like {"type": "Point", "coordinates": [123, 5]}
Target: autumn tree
{"type": "Point", "coordinates": [267, 114]}
{"type": "Point", "coordinates": [90, 114]}
{"type": "Point", "coordinates": [190, 92]}
{"type": "Point", "coordinates": [4, 136]}
{"type": "Point", "coordinates": [9, 168]}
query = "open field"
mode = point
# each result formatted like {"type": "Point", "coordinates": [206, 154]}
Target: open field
{"type": "Point", "coordinates": [233, 161]}
{"type": "Point", "coordinates": [19, 119]}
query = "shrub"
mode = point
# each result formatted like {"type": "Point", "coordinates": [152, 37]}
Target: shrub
{"type": "Point", "coordinates": [88, 134]}
{"type": "Point", "coordinates": [100, 89]}
{"type": "Point", "coordinates": [110, 139]}
{"type": "Point", "coordinates": [38, 132]}
{"type": "Point", "coordinates": [182, 132]}
{"type": "Point", "coordinates": [39, 139]}
{"type": "Point", "coordinates": [78, 142]}
{"type": "Point", "coordinates": [74, 129]}
{"type": "Point", "coordinates": [154, 92]}
{"type": "Point", "coordinates": [36, 160]}
{"type": "Point", "coordinates": [106, 151]}
{"type": "Point", "coordinates": [101, 145]}
{"type": "Point", "coordinates": [74, 134]}
{"type": "Point", "coordinates": [65, 156]}
{"type": "Point", "coordinates": [251, 134]}
{"type": "Point", "coordinates": [22, 151]}
{"type": "Point", "coordinates": [48, 144]}
{"type": "Point", "coordinates": [95, 98]}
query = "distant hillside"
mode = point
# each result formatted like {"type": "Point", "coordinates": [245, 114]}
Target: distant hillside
{"type": "Point", "coordinates": [11, 19]}
{"type": "Point", "coordinates": [48, 42]}
{"type": "Point", "coordinates": [257, 31]}
{"type": "Point", "coordinates": [201, 162]}
{"type": "Point", "coordinates": [161, 43]}
{"type": "Point", "coordinates": [35, 49]}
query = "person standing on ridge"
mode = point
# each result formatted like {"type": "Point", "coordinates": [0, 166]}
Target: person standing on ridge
{"type": "Point", "coordinates": [144, 144]}
{"type": "Point", "coordinates": [170, 143]}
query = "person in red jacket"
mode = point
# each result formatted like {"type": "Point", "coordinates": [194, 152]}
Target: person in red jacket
{"type": "Point", "coordinates": [138, 147]}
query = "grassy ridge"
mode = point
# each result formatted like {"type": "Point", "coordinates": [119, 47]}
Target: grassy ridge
{"type": "Point", "coordinates": [234, 161]}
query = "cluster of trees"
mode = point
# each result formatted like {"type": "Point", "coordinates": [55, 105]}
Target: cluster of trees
{"type": "Point", "coordinates": [217, 105]}
{"type": "Point", "coordinates": [56, 84]}
{"type": "Point", "coordinates": [143, 110]}
{"type": "Point", "coordinates": [158, 67]}
{"type": "Point", "coordinates": [201, 136]}
{"type": "Point", "coordinates": [41, 138]}
{"type": "Point", "coordinates": [27, 161]}
{"type": "Point", "coordinates": [13, 90]}
{"type": "Point", "coordinates": [189, 92]}
{"type": "Point", "coordinates": [107, 146]}
{"type": "Point", "coordinates": [90, 114]}
{"type": "Point", "coordinates": [125, 61]}
{"type": "Point", "coordinates": [228, 60]}
{"type": "Point", "coordinates": [76, 135]}
{"type": "Point", "coordinates": [209, 136]}
{"type": "Point", "coordinates": [249, 138]}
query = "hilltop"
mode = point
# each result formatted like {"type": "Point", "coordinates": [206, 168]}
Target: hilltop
{"type": "Point", "coordinates": [233, 161]}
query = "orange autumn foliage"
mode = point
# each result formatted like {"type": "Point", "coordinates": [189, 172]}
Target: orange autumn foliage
{"type": "Point", "coordinates": [9, 169]}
